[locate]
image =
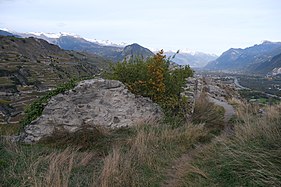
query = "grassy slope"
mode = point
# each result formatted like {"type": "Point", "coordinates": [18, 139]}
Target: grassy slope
{"type": "Point", "coordinates": [140, 156]}
{"type": "Point", "coordinates": [135, 157]}
{"type": "Point", "coordinates": [249, 158]}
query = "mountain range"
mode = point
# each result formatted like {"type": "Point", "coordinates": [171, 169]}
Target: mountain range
{"type": "Point", "coordinates": [193, 59]}
{"type": "Point", "coordinates": [105, 49]}
{"type": "Point", "coordinates": [256, 59]}
{"type": "Point", "coordinates": [112, 51]}
{"type": "Point", "coordinates": [259, 58]}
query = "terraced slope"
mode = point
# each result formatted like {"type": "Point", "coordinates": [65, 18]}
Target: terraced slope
{"type": "Point", "coordinates": [29, 67]}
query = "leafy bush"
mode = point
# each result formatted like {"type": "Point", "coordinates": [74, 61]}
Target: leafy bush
{"type": "Point", "coordinates": [153, 78]}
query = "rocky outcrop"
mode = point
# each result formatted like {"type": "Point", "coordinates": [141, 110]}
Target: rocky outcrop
{"type": "Point", "coordinates": [95, 102]}
{"type": "Point", "coordinates": [191, 91]}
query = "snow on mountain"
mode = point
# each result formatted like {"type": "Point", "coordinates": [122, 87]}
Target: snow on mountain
{"type": "Point", "coordinates": [190, 57]}
{"type": "Point", "coordinates": [51, 37]}
{"type": "Point", "coordinates": [107, 42]}
{"type": "Point", "coordinates": [187, 52]}
{"type": "Point", "coordinates": [54, 35]}
{"type": "Point", "coordinates": [4, 29]}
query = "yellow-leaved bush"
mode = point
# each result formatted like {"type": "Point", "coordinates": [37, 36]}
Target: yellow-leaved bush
{"type": "Point", "coordinates": [153, 78]}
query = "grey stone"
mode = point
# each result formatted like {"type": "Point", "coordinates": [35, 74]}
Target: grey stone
{"type": "Point", "coordinates": [96, 102]}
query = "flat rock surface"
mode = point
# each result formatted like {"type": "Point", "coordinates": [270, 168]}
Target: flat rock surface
{"type": "Point", "coordinates": [96, 102]}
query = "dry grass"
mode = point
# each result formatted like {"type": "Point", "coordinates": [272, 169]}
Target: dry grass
{"type": "Point", "coordinates": [148, 153]}
{"type": "Point", "coordinates": [97, 138]}
{"type": "Point", "coordinates": [208, 113]}
{"type": "Point", "coordinates": [131, 159]}
{"type": "Point", "coordinates": [251, 157]}
{"type": "Point", "coordinates": [60, 167]}
{"type": "Point", "coordinates": [43, 169]}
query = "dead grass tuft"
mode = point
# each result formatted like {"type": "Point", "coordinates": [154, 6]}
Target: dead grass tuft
{"type": "Point", "coordinates": [209, 114]}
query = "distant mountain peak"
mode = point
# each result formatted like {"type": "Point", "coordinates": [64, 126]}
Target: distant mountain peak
{"type": "Point", "coordinates": [54, 35]}
{"type": "Point", "coordinates": [249, 59]}
{"type": "Point", "coordinates": [191, 58]}
{"type": "Point", "coordinates": [267, 42]}
{"type": "Point", "coordinates": [136, 50]}
{"type": "Point", "coordinates": [189, 51]}
{"type": "Point", "coordinates": [185, 51]}
{"type": "Point", "coordinates": [49, 36]}
{"type": "Point", "coordinates": [134, 45]}
{"type": "Point", "coordinates": [107, 42]}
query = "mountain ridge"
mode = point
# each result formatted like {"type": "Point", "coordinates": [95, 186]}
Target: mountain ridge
{"type": "Point", "coordinates": [69, 41]}
{"type": "Point", "coordinates": [247, 59]}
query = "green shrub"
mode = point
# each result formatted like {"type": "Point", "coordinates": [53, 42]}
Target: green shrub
{"type": "Point", "coordinates": [154, 79]}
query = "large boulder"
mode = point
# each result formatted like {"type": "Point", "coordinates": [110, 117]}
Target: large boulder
{"type": "Point", "coordinates": [96, 102]}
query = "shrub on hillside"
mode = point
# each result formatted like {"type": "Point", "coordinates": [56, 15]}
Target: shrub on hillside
{"type": "Point", "coordinates": [154, 79]}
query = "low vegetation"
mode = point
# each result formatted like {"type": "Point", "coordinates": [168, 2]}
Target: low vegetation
{"type": "Point", "coordinates": [259, 97]}
{"type": "Point", "coordinates": [251, 157]}
{"type": "Point", "coordinates": [155, 79]}
{"type": "Point", "coordinates": [269, 85]}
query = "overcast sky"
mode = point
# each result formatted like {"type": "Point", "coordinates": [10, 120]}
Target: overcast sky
{"type": "Point", "coordinates": [211, 26]}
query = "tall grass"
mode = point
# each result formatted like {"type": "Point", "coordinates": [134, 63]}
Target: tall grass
{"type": "Point", "coordinates": [143, 161]}
{"type": "Point", "coordinates": [136, 156]}
{"type": "Point", "coordinates": [41, 167]}
{"type": "Point", "coordinates": [250, 158]}
{"type": "Point", "coordinates": [208, 113]}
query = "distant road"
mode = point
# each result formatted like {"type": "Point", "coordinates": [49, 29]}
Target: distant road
{"type": "Point", "coordinates": [239, 85]}
{"type": "Point", "coordinates": [244, 88]}
{"type": "Point", "coordinates": [271, 95]}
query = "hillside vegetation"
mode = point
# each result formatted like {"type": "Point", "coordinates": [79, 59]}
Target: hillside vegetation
{"type": "Point", "coordinates": [31, 67]}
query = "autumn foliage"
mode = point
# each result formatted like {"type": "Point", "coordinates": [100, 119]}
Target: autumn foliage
{"type": "Point", "coordinates": [153, 78]}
